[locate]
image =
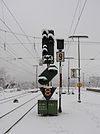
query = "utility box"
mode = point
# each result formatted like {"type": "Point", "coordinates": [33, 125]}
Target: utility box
{"type": "Point", "coordinates": [52, 107]}
{"type": "Point", "coordinates": [48, 107]}
{"type": "Point", "coordinates": [42, 107]}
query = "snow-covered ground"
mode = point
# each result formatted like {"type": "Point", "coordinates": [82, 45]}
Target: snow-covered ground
{"type": "Point", "coordinates": [76, 118]}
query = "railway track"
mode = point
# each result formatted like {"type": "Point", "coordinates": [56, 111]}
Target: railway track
{"type": "Point", "coordinates": [17, 121]}
{"type": "Point", "coordinates": [18, 107]}
{"type": "Point", "coordinates": [2, 101]}
{"type": "Point", "coordinates": [12, 97]}
{"type": "Point", "coordinates": [14, 116]}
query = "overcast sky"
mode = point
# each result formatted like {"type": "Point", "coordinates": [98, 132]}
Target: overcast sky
{"type": "Point", "coordinates": [63, 16]}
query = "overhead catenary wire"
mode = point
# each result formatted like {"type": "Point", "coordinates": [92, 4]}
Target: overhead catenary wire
{"type": "Point", "coordinates": [80, 15]}
{"type": "Point", "coordinates": [2, 11]}
{"type": "Point", "coordinates": [22, 70]}
{"type": "Point", "coordinates": [8, 51]}
{"type": "Point", "coordinates": [20, 34]}
{"type": "Point", "coordinates": [16, 37]}
{"type": "Point", "coordinates": [34, 43]}
{"type": "Point", "coordinates": [74, 16]}
{"type": "Point", "coordinates": [19, 67]}
{"type": "Point", "coordinates": [84, 43]}
{"type": "Point", "coordinates": [14, 54]}
{"type": "Point", "coordinates": [72, 25]}
{"type": "Point", "coordinates": [16, 65]}
{"type": "Point", "coordinates": [8, 48]}
{"type": "Point", "coordinates": [18, 24]}
{"type": "Point", "coordinates": [78, 18]}
{"type": "Point", "coordinates": [12, 31]}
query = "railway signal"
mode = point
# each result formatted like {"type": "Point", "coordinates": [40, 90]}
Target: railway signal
{"type": "Point", "coordinates": [47, 91]}
{"type": "Point", "coordinates": [47, 106]}
{"type": "Point", "coordinates": [47, 75]}
{"type": "Point", "coordinates": [48, 46]}
{"type": "Point", "coordinates": [51, 45]}
{"type": "Point", "coordinates": [60, 44]}
{"type": "Point", "coordinates": [44, 45]}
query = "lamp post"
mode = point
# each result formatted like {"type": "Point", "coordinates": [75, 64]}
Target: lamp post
{"type": "Point", "coordinates": [78, 37]}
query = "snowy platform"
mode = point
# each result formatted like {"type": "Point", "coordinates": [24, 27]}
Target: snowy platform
{"type": "Point", "coordinates": [76, 118]}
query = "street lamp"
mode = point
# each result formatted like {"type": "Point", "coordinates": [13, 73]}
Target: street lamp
{"type": "Point", "coordinates": [78, 37]}
{"type": "Point", "coordinates": [69, 58]}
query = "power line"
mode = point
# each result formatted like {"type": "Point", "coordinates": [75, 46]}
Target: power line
{"type": "Point", "coordinates": [9, 51]}
{"type": "Point", "coordinates": [16, 64]}
{"type": "Point", "coordinates": [80, 16]}
{"type": "Point", "coordinates": [38, 43]}
{"type": "Point", "coordinates": [15, 19]}
{"type": "Point", "coordinates": [30, 36]}
{"type": "Point", "coordinates": [18, 67]}
{"type": "Point", "coordinates": [25, 36]}
{"type": "Point", "coordinates": [2, 11]}
{"type": "Point", "coordinates": [74, 16]}
{"type": "Point", "coordinates": [16, 37]}
{"type": "Point", "coordinates": [72, 24]}
{"type": "Point", "coordinates": [18, 24]}
{"type": "Point", "coordinates": [83, 42]}
{"type": "Point", "coordinates": [12, 52]}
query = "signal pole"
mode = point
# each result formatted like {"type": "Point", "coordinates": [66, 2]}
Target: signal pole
{"type": "Point", "coordinates": [60, 58]}
{"type": "Point", "coordinates": [60, 85]}
{"type": "Point", "coordinates": [79, 85]}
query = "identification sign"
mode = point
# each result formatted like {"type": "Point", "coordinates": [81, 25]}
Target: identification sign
{"type": "Point", "coordinates": [60, 56]}
{"type": "Point", "coordinates": [79, 84]}
{"type": "Point", "coordinates": [47, 91]}
{"type": "Point", "coordinates": [73, 73]}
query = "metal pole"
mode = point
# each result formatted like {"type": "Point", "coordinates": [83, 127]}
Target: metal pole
{"type": "Point", "coordinates": [69, 58]}
{"type": "Point", "coordinates": [48, 67]}
{"type": "Point", "coordinates": [79, 100]}
{"type": "Point", "coordinates": [68, 76]}
{"type": "Point", "coordinates": [60, 86]}
{"type": "Point", "coordinates": [36, 76]}
{"type": "Point", "coordinates": [83, 81]}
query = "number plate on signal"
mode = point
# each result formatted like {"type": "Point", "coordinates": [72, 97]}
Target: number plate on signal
{"type": "Point", "coordinates": [60, 56]}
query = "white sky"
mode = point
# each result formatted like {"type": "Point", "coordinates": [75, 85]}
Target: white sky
{"type": "Point", "coordinates": [35, 15]}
